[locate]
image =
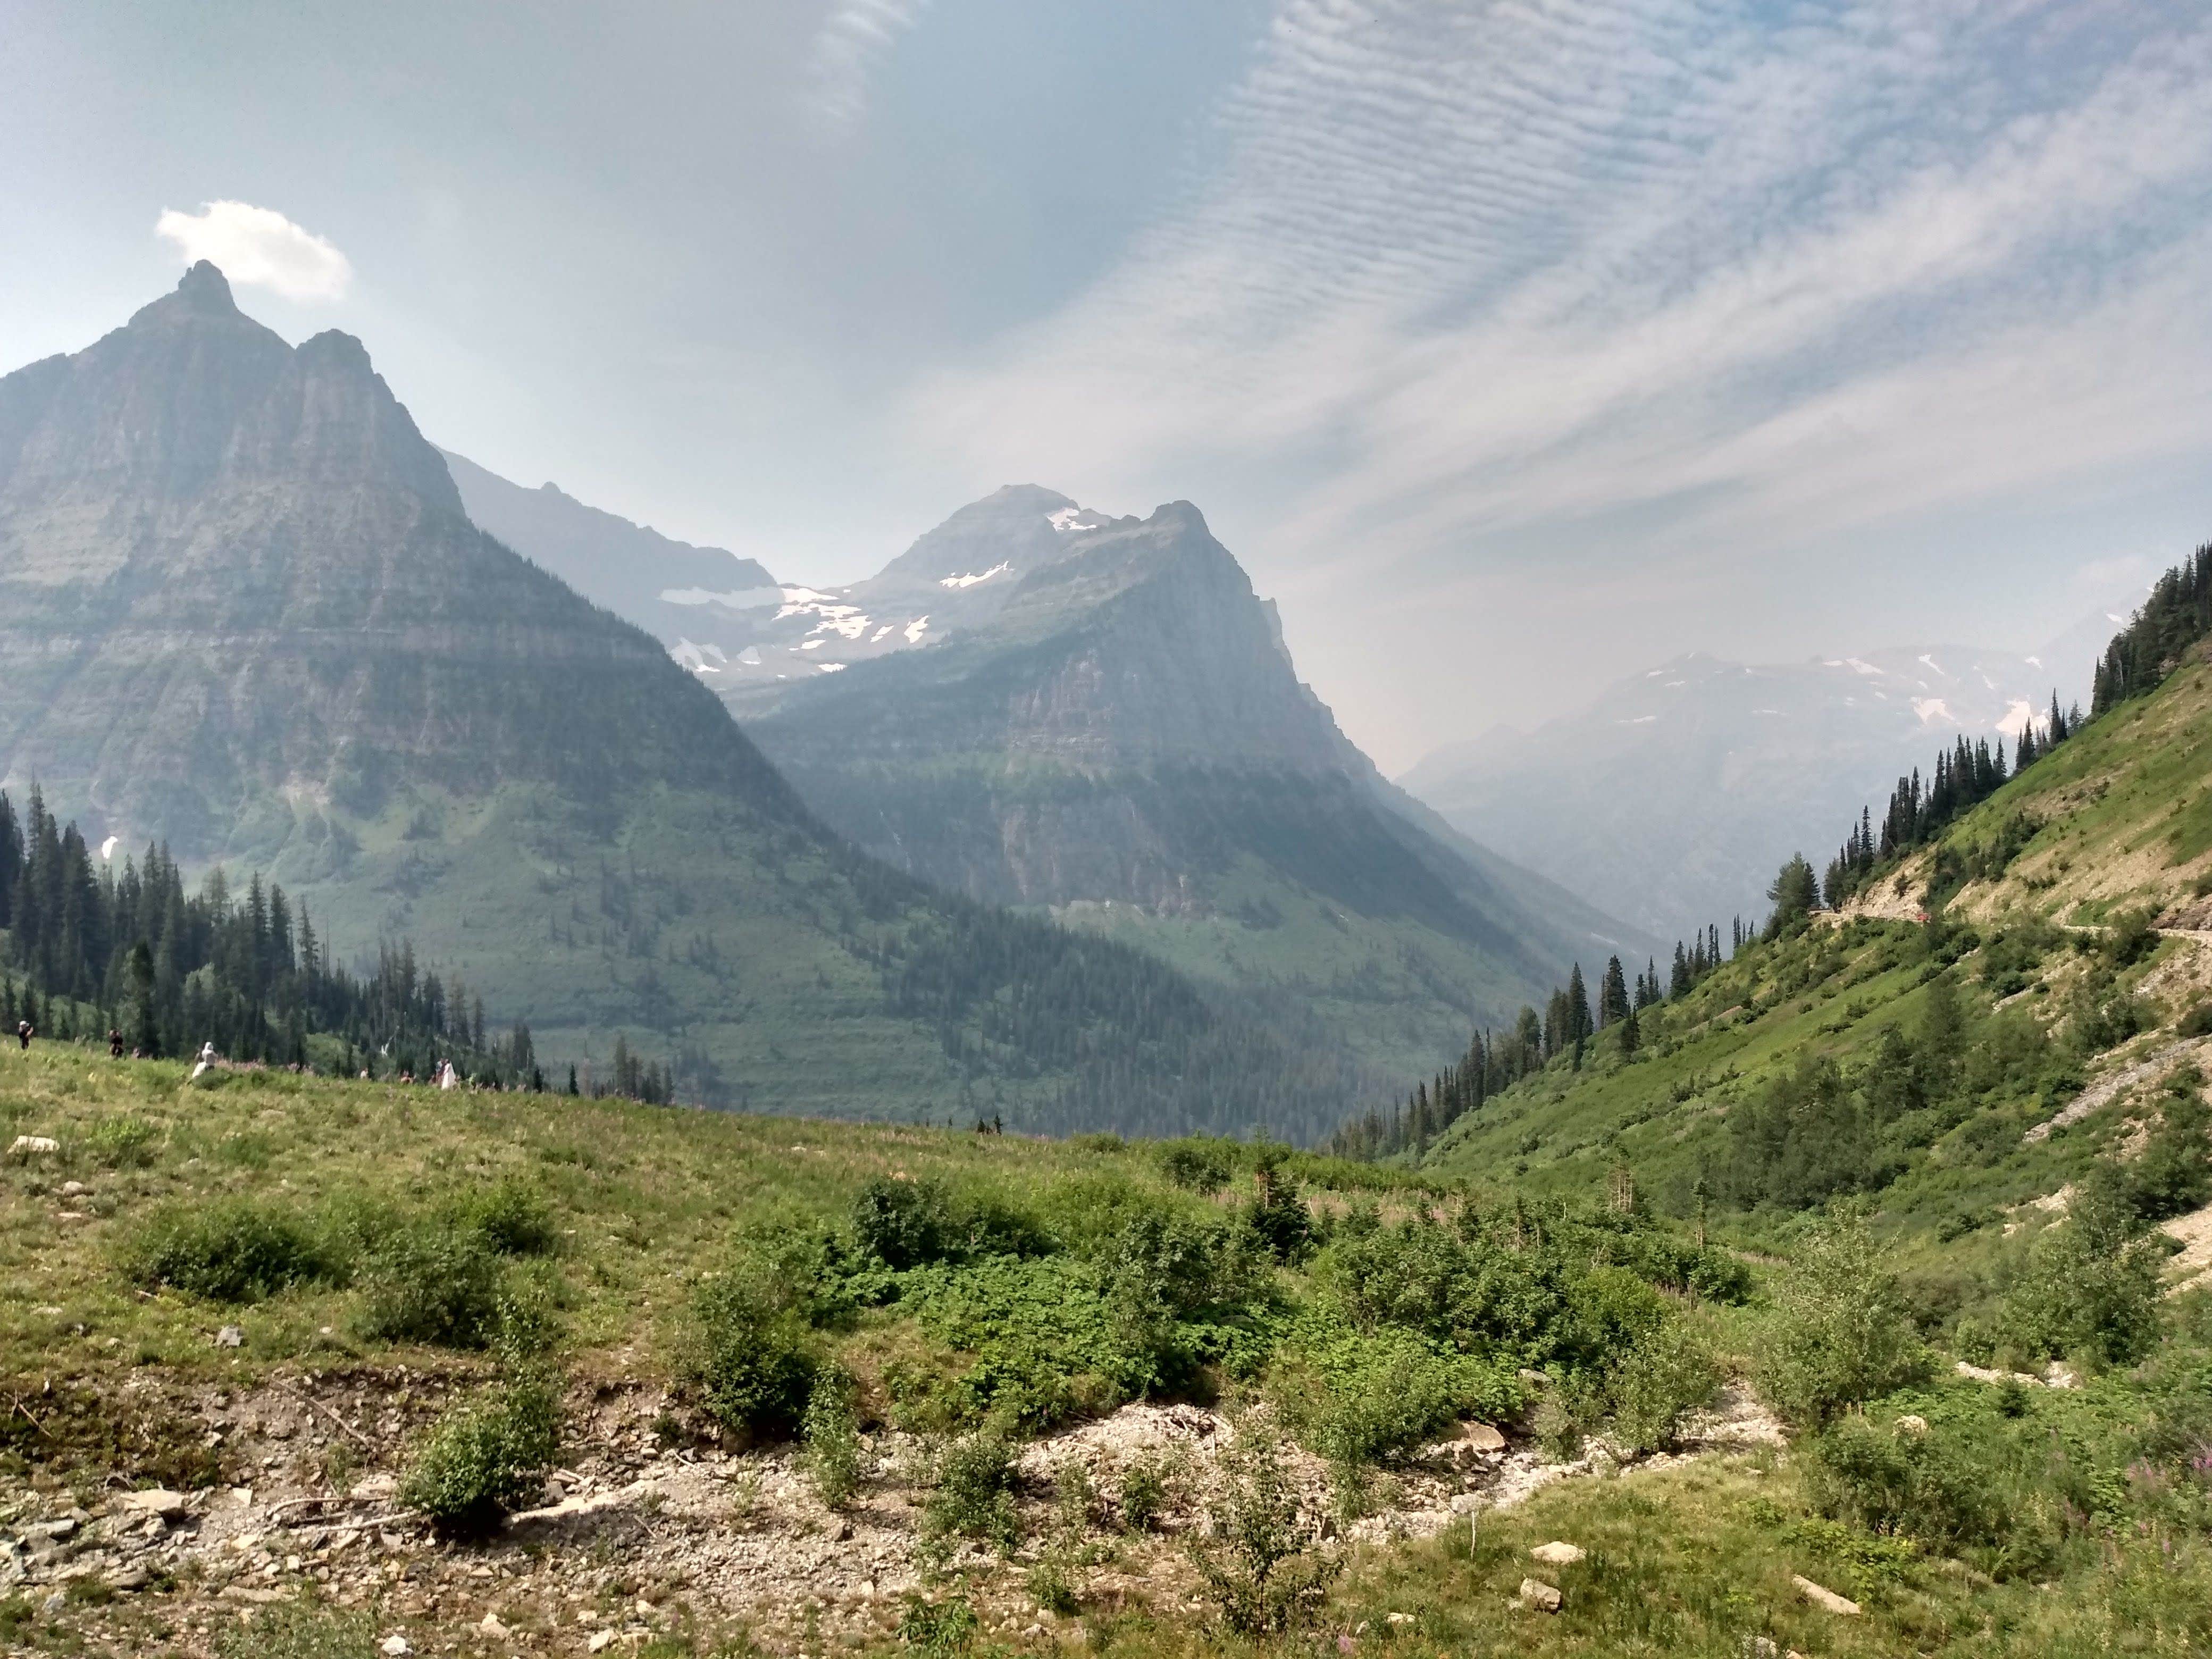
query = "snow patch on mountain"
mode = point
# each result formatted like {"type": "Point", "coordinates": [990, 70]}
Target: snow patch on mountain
{"type": "Point", "coordinates": [998, 570]}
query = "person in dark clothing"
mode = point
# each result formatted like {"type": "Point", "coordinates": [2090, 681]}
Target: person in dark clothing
{"type": "Point", "coordinates": [114, 1044]}
{"type": "Point", "coordinates": [24, 1034]}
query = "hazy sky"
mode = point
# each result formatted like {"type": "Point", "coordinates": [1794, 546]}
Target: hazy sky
{"type": "Point", "coordinates": [1512, 345]}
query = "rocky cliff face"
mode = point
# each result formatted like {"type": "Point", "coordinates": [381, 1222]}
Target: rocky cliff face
{"type": "Point", "coordinates": [242, 610]}
{"type": "Point", "coordinates": [1098, 716]}
{"type": "Point", "coordinates": [233, 576]}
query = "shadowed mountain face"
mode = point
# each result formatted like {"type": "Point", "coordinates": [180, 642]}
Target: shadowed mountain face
{"type": "Point", "coordinates": [242, 609]}
{"type": "Point", "coordinates": [706, 604]}
{"type": "Point", "coordinates": [1041, 705]}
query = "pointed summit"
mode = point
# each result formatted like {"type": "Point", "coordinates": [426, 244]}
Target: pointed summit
{"type": "Point", "coordinates": [204, 288]}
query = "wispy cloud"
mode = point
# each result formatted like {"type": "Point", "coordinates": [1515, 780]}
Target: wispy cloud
{"type": "Point", "coordinates": [854, 38]}
{"type": "Point", "coordinates": [259, 247]}
{"type": "Point", "coordinates": [1503, 270]}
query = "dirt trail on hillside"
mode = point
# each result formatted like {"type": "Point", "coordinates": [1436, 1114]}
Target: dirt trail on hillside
{"type": "Point", "coordinates": [639, 1538]}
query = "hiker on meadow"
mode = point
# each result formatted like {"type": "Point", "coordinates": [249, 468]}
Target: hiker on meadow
{"type": "Point", "coordinates": [24, 1033]}
{"type": "Point", "coordinates": [114, 1044]}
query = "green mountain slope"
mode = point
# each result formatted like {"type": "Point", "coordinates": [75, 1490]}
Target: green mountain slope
{"type": "Point", "coordinates": [1990, 1021]}
{"type": "Point", "coordinates": [242, 612]}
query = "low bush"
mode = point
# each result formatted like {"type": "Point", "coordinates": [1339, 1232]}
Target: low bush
{"type": "Point", "coordinates": [121, 1142]}
{"type": "Point", "coordinates": [972, 1491]}
{"type": "Point", "coordinates": [2090, 1286]}
{"type": "Point", "coordinates": [300, 1630]}
{"type": "Point", "coordinates": [753, 1359]}
{"type": "Point", "coordinates": [831, 1431]}
{"type": "Point", "coordinates": [486, 1458]}
{"type": "Point", "coordinates": [1202, 1164]}
{"type": "Point", "coordinates": [431, 1282]}
{"type": "Point", "coordinates": [511, 1217]}
{"type": "Point", "coordinates": [903, 1224]}
{"type": "Point", "coordinates": [1256, 1558]}
{"type": "Point", "coordinates": [1843, 1333]}
{"type": "Point", "coordinates": [1962, 1487]}
{"type": "Point", "coordinates": [238, 1250]}
{"type": "Point", "coordinates": [1363, 1397]}
{"type": "Point", "coordinates": [1666, 1375]}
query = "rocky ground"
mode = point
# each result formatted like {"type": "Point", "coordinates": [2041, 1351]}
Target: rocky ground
{"type": "Point", "coordinates": [647, 1532]}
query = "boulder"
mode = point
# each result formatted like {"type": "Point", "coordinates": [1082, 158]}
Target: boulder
{"type": "Point", "coordinates": [1557, 1554]}
{"type": "Point", "coordinates": [1539, 1596]}
{"type": "Point", "coordinates": [155, 1500]}
{"type": "Point", "coordinates": [1481, 1437]}
{"type": "Point", "coordinates": [34, 1146]}
{"type": "Point", "coordinates": [1821, 1596]}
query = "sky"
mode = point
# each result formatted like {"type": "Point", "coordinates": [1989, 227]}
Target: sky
{"type": "Point", "coordinates": [1512, 345]}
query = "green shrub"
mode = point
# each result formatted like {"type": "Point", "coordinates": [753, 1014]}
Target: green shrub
{"type": "Point", "coordinates": [237, 1250]}
{"type": "Point", "coordinates": [432, 1282]}
{"type": "Point", "coordinates": [1843, 1333]}
{"type": "Point", "coordinates": [832, 1432]}
{"type": "Point", "coordinates": [903, 1224]}
{"type": "Point", "coordinates": [121, 1142]}
{"type": "Point", "coordinates": [2173, 1175]}
{"type": "Point", "coordinates": [1666, 1375]}
{"type": "Point", "coordinates": [1954, 1487]}
{"type": "Point", "coordinates": [939, 1629]}
{"type": "Point", "coordinates": [1201, 1163]}
{"type": "Point", "coordinates": [1255, 1558]}
{"type": "Point", "coordinates": [485, 1458]}
{"type": "Point", "coordinates": [511, 1216]}
{"type": "Point", "coordinates": [2091, 1284]}
{"type": "Point", "coordinates": [300, 1630]}
{"type": "Point", "coordinates": [1359, 1398]}
{"type": "Point", "coordinates": [972, 1491]}
{"type": "Point", "coordinates": [1146, 1485]}
{"type": "Point", "coordinates": [753, 1359]}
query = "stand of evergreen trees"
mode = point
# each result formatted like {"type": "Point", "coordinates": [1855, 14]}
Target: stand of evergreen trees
{"type": "Point", "coordinates": [2177, 614]}
{"type": "Point", "coordinates": [89, 948]}
{"type": "Point", "coordinates": [1494, 1061]}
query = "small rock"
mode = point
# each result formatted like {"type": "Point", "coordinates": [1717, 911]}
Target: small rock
{"type": "Point", "coordinates": [132, 1578]}
{"type": "Point", "coordinates": [1556, 1554]}
{"type": "Point", "coordinates": [1759, 1647]}
{"type": "Point", "coordinates": [492, 1628]}
{"type": "Point", "coordinates": [230, 1336]}
{"type": "Point", "coordinates": [1541, 1597]}
{"type": "Point", "coordinates": [1821, 1596]}
{"type": "Point", "coordinates": [156, 1501]}
{"type": "Point", "coordinates": [601, 1640]}
{"type": "Point", "coordinates": [1480, 1437]}
{"type": "Point", "coordinates": [1401, 1617]}
{"type": "Point", "coordinates": [54, 1603]}
{"type": "Point", "coordinates": [74, 1189]}
{"type": "Point", "coordinates": [395, 1647]}
{"type": "Point", "coordinates": [1912, 1423]}
{"type": "Point", "coordinates": [34, 1146]}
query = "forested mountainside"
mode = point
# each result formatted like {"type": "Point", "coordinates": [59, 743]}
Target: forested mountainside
{"type": "Point", "coordinates": [244, 615]}
{"type": "Point", "coordinates": [1672, 796]}
{"type": "Point", "coordinates": [1039, 705]}
{"type": "Point", "coordinates": [2003, 998]}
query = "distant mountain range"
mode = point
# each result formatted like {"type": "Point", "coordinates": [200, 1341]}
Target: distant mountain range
{"type": "Point", "coordinates": [1042, 705]}
{"type": "Point", "coordinates": [1672, 799]}
{"type": "Point", "coordinates": [243, 611]}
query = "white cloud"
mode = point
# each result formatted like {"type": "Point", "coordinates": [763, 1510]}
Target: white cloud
{"type": "Point", "coordinates": [259, 247]}
{"type": "Point", "coordinates": [1503, 270]}
{"type": "Point", "coordinates": [854, 37]}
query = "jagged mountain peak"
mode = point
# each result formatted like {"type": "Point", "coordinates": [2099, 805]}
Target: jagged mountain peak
{"type": "Point", "coordinates": [202, 289]}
